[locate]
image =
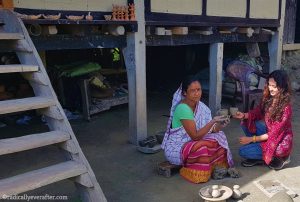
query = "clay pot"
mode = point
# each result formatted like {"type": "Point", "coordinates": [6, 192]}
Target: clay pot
{"type": "Point", "coordinates": [215, 191]}
{"type": "Point", "coordinates": [236, 192]}
{"type": "Point", "coordinates": [89, 17]}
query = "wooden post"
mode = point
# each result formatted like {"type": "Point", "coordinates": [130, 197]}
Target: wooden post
{"type": "Point", "coordinates": [135, 61]}
{"type": "Point", "coordinates": [290, 21]}
{"type": "Point", "coordinates": [215, 76]}
{"type": "Point", "coordinates": [275, 45]}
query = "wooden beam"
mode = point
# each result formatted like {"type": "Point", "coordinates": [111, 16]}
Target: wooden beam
{"type": "Point", "coordinates": [59, 42]}
{"type": "Point", "coordinates": [192, 39]}
{"type": "Point", "coordinates": [275, 45]}
{"type": "Point", "coordinates": [135, 61]}
{"type": "Point", "coordinates": [203, 32]}
{"type": "Point", "coordinates": [130, 26]}
{"type": "Point", "coordinates": [167, 19]}
{"type": "Point", "coordinates": [290, 21]}
{"type": "Point", "coordinates": [291, 47]}
{"type": "Point", "coordinates": [215, 76]}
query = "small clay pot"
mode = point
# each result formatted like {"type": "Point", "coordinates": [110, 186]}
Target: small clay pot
{"type": "Point", "coordinates": [215, 191]}
{"type": "Point", "coordinates": [89, 17]}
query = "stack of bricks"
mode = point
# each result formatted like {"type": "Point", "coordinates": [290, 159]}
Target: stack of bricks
{"type": "Point", "coordinates": [123, 13]}
{"type": "Point", "coordinates": [167, 169]}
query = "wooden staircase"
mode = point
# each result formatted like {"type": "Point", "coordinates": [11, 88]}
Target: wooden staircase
{"type": "Point", "coordinates": [14, 38]}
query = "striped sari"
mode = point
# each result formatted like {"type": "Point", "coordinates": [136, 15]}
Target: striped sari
{"type": "Point", "coordinates": [198, 158]}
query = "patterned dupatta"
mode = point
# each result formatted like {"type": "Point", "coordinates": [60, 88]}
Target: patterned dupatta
{"type": "Point", "coordinates": [202, 116]}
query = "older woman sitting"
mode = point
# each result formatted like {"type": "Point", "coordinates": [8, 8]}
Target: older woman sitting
{"type": "Point", "coordinates": [193, 139]}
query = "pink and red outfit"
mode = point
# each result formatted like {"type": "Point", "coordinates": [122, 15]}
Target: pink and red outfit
{"type": "Point", "coordinates": [280, 134]}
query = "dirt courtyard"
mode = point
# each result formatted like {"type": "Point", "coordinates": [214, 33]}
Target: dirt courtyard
{"type": "Point", "coordinates": [125, 174]}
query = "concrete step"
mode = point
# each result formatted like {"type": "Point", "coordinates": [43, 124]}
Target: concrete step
{"type": "Point", "coordinates": [11, 36]}
{"type": "Point", "coordinates": [41, 177]}
{"type": "Point", "coordinates": [25, 104]}
{"type": "Point", "coordinates": [12, 145]}
{"type": "Point", "coordinates": [18, 68]}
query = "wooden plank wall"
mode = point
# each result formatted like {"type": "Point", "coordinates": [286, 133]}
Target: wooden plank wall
{"type": "Point", "coordinates": [191, 7]}
{"type": "Point", "coordinates": [71, 5]}
{"type": "Point", "coordinates": [290, 21]}
{"type": "Point", "coordinates": [258, 9]}
{"type": "Point", "coordinates": [264, 9]}
{"type": "Point", "coordinates": [228, 8]}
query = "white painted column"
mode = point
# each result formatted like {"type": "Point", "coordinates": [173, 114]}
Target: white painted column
{"type": "Point", "coordinates": [215, 76]}
{"type": "Point", "coordinates": [275, 45]}
{"type": "Point", "coordinates": [135, 61]}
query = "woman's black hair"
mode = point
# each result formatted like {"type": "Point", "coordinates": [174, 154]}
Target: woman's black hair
{"type": "Point", "coordinates": [283, 98]}
{"type": "Point", "coordinates": [187, 80]}
{"type": "Point", "coordinates": [282, 80]}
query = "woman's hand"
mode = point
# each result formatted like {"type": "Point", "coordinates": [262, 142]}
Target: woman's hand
{"type": "Point", "coordinates": [245, 140]}
{"type": "Point", "coordinates": [239, 115]}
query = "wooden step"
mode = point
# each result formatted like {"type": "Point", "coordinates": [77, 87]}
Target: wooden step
{"type": "Point", "coordinates": [12, 145]}
{"type": "Point", "coordinates": [11, 36]}
{"type": "Point", "coordinates": [18, 68]}
{"type": "Point", "coordinates": [24, 104]}
{"type": "Point", "coordinates": [41, 177]}
{"type": "Point", "coordinates": [15, 46]}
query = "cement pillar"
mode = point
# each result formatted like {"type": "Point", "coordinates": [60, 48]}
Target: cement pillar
{"type": "Point", "coordinates": [135, 61]}
{"type": "Point", "coordinates": [215, 76]}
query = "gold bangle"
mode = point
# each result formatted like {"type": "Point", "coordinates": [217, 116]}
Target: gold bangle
{"type": "Point", "coordinates": [212, 128]}
{"type": "Point", "coordinates": [254, 138]}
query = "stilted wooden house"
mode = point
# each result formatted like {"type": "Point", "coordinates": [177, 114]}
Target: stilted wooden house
{"type": "Point", "coordinates": [156, 23]}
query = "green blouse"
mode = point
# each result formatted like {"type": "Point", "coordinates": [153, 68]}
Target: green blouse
{"type": "Point", "coordinates": [182, 111]}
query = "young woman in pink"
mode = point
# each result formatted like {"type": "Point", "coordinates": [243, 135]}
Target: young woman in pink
{"type": "Point", "coordinates": [268, 128]}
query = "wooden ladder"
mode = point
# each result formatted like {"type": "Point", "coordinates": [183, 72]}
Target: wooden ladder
{"type": "Point", "coordinates": [14, 38]}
